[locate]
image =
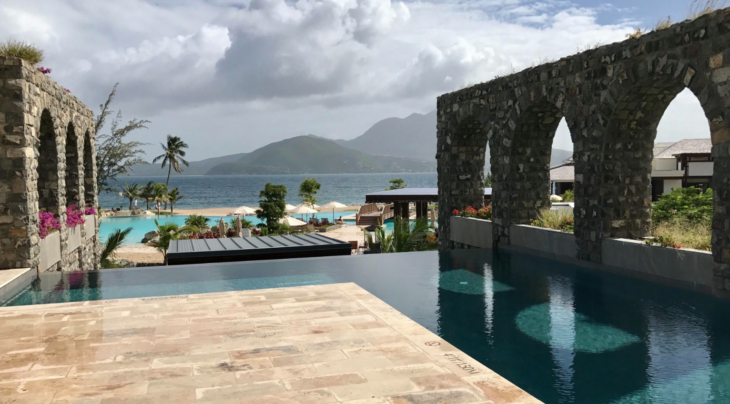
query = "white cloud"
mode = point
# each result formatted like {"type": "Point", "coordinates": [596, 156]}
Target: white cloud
{"type": "Point", "coordinates": [262, 70]}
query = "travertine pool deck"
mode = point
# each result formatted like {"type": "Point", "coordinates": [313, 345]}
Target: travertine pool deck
{"type": "Point", "coordinates": [309, 344]}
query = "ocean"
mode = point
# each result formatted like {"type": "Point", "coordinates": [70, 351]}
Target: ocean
{"type": "Point", "coordinates": [212, 191]}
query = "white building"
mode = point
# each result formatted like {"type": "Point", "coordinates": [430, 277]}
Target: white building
{"type": "Point", "coordinates": [676, 164]}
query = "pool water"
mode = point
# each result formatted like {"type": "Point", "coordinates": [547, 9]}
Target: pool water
{"type": "Point", "coordinates": [562, 333]}
{"type": "Point", "coordinates": [142, 225]}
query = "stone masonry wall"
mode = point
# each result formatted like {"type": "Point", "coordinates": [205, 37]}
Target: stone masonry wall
{"type": "Point", "coordinates": [612, 99]}
{"type": "Point", "coordinates": [47, 161]}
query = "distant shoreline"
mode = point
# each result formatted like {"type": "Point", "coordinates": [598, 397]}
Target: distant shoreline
{"type": "Point", "coordinates": [271, 175]}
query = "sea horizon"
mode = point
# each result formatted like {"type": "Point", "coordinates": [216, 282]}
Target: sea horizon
{"type": "Point", "coordinates": [217, 191]}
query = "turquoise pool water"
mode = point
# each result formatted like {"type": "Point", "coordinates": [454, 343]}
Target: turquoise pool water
{"type": "Point", "coordinates": [142, 225]}
{"type": "Point", "coordinates": [563, 333]}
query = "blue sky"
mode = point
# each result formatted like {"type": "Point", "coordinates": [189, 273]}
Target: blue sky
{"type": "Point", "coordinates": [249, 72]}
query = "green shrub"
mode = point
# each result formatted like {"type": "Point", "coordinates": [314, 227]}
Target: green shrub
{"type": "Point", "coordinates": [555, 219]}
{"type": "Point", "coordinates": [569, 196]}
{"type": "Point", "coordinates": [682, 233]}
{"type": "Point", "coordinates": [683, 203]}
{"type": "Point", "coordinates": [23, 50]}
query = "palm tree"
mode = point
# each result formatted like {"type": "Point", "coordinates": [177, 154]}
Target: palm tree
{"type": "Point", "coordinates": [130, 192]}
{"type": "Point", "coordinates": [160, 194]}
{"type": "Point", "coordinates": [172, 156]}
{"type": "Point", "coordinates": [198, 221]}
{"type": "Point", "coordinates": [174, 197]}
{"type": "Point", "coordinates": [404, 238]}
{"type": "Point", "coordinates": [167, 232]}
{"type": "Point", "coordinates": [114, 241]}
{"type": "Point", "coordinates": [146, 192]}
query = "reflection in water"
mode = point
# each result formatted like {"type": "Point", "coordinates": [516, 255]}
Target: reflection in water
{"type": "Point", "coordinates": [488, 301]}
{"type": "Point", "coordinates": [562, 331]}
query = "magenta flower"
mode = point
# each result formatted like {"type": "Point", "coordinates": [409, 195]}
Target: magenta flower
{"type": "Point", "coordinates": [74, 216]}
{"type": "Point", "coordinates": [47, 224]}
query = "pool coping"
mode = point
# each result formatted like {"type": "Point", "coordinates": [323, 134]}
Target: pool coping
{"type": "Point", "coordinates": [470, 379]}
{"type": "Point", "coordinates": [12, 281]}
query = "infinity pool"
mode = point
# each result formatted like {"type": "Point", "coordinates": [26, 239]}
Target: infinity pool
{"type": "Point", "coordinates": [564, 334]}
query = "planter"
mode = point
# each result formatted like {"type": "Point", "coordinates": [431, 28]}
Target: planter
{"type": "Point", "coordinates": [471, 231]}
{"type": "Point", "coordinates": [50, 251]}
{"type": "Point", "coordinates": [74, 238]}
{"type": "Point", "coordinates": [548, 241]}
{"type": "Point", "coordinates": [685, 265]}
{"type": "Point", "coordinates": [90, 226]}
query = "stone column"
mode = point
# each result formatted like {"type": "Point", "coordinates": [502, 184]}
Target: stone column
{"type": "Point", "coordinates": [721, 217]}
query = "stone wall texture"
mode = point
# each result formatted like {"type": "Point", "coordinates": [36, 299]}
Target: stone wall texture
{"type": "Point", "coordinates": [47, 162]}
{"type": "Point", "coordinates": [612, 99]}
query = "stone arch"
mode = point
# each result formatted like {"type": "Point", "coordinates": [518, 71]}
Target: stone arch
{"type": "Point", "coordinates": [48, 174]}
{"type": "Point", "coordinates": [634, 107]}
{"type": "Point", "coordinates": [89, 170]}
{"type": "Point", "coordinates": [72, 177]}
{"type": "Point", "coordinates": [529, 164]}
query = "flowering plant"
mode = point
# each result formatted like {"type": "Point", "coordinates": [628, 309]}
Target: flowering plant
{"type": "Point", "coordinates": [90, 211]}
{"type": "Point", "coordinates": [47, 224]}
{"type": "Point", "coordinates": [43, 70]}
{"type": "Point", "coordinates": [483, 213]}
{"type": "Point", "coordinates": [208, 235]}
{"type": "Point", "coordinates": [74, 216]}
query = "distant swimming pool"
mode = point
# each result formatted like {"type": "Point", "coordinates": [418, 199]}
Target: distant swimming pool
{"type": "Point", "coordinates": [142, 225]}
{"type": "Point", "coordinates": [562, 333]}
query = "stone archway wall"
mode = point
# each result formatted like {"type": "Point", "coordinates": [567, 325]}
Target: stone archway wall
{"type": "Point", "coordinates": [612, 98]}
{"type": "Point", "coordinates": [35, 119]}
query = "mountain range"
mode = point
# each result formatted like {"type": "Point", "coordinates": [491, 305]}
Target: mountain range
{"type": "Point", "coordinates": [391, 145]}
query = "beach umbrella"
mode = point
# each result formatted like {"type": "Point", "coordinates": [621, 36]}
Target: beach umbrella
{"type": "Point", "coordinates": [243, 210]}
{"type": "Point", "coordinates": [222, 228]}
{"type": "Point", "coordinates": [301, 209]}
{"type": "Point", "coordinates": [289, 208]}
{"type": "Point", "coordinates": [332, 205]}
{"type": "Point", "coordinates": [292, 221]}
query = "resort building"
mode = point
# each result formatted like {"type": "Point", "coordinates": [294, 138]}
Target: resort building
{"type": "Point", "coordinates": [687, 163]}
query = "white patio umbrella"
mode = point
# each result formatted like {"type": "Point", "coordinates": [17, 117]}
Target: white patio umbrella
{"type": "Point", "coordinates": [289, 208]}
{"type": "Point", "coordinates": [244, 211]}
{"type": "Point", "coordinates": [292, 221]}
{"type": "Point", "coordinates": [332, 205]}
{"type": "Point", "coordinates": [301, 209]}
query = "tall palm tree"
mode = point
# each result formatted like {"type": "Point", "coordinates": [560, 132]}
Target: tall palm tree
{"type": "Point", "coordinates": [174, 197]}
{"type": "Point", "coordinates": [160, 195]}
{"type": "Point", "coordinates": [130, 192]}
{"type": "Point", "coordinates": [146, 192]}
{"type": "Point", "coordinates": [173, 155]}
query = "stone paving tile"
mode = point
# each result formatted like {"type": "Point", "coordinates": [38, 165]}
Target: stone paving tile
{"type": "Point", "coordinates": [310, 344]}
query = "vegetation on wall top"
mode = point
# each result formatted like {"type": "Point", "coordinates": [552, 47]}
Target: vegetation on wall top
{"type": "Point", "coordinates": [21, 49]}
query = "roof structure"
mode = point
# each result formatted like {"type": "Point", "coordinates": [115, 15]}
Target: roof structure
{"type": "Point", "coordinates": [410, 195]}
{"type": "Point", "coordinates": [254, 248]}
{"type": "Point", "coordinates": [564, 173]}
{"type": "Point", "coordinates": [686, 146]}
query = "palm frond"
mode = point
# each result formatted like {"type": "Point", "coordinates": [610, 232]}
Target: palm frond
{"type": "Point", "coordinates": [113, 242]}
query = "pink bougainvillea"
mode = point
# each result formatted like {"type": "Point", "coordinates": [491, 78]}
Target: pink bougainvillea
{"type": "Point", "coordinates": [47, 224]}
{"type": "Point", "coordinates": [74, 216]}
{"type": "Point", "coordinates": [90, 211]}
{"type": "Point", "coordinates": [43, 70]}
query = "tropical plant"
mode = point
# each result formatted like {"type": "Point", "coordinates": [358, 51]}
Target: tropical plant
{"type": "Point", "coordinates": [245, 223]}
{"type": "Point", "coordinates": [160, 195]}
{"type": "Point", "coordinates": [483, 213]}
{"type": "Point", "coordinates": [47, 224]}
{"type": "Point", "coordinates": [396, 183]}
{"type": "Point", "coordinates": [568, 196]}
{"type": "Point", "coordinates": [114, 155]}
{"type": "Point", "coordinates": [74, 216]}
{"type": "Point", "coordinates": [130, 192]}
{"type": "Point", "coordinates": [404, 237]}
{"type": "Point", "coordinates": [172, 156]}
{"type": "Point", "coordinates": [684, 203]}
{"type": "Point", "coordinates": [307, 191]}
{"type": "Point", "coordinates": [147, 192]}
{"type": "Point", "coordinates": [23, 50]}
{"type": "Point", "coordinates": [109, 247]}
{"type": "Point", "coordinates": [167, 232]}
{"type": "Point", "coordinates": [559, 219]}
{"type": "Point", "coordinates": [273, 205]}
{"type": "Point", "coordinates": [197, 221]}
{"type": "Point", "coordinates": [174, 197]}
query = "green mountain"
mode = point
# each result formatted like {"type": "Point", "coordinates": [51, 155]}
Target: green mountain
{"type": "Point", "coordinates": [314, 155]}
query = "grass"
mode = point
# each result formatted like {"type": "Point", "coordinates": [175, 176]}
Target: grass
{"type": "Point", "coordinates": [555, 219]}
{"type": "Point", "coordinates": [702, 7]}
{"type": "Point", "coordinates": [23, 50]}
{"type": "Point", "coordinates": [681, 233]}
